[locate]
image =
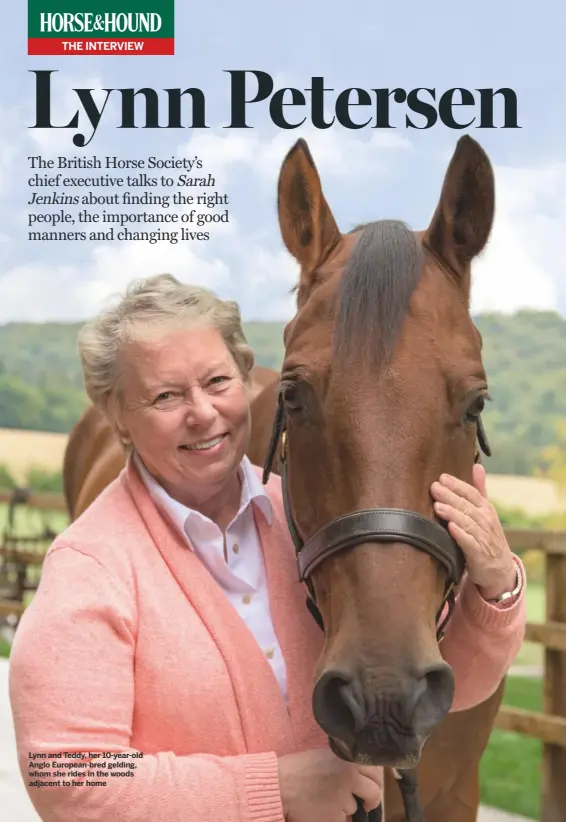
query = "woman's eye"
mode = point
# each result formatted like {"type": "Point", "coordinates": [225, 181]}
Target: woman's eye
{"type": "Point", "coordinates": [217, 381]}
{"type": "Point", "coordinates": [166, 398]}
{"type": "Point", "coordinates": [475, 409]}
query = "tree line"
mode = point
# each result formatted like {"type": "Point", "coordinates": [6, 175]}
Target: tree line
{"type": "Point", "coordinates": [524, 355]}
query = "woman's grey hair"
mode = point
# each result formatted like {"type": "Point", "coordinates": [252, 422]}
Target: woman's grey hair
{"type": "Point", "coordinates": [149, 306]}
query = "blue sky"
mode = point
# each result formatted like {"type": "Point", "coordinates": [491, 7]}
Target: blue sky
{"type": "Point", "coordinates": [366, 174]}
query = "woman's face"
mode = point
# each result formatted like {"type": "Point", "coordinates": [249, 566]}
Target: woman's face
{"type": "Point", "coordinates": [185, 410]}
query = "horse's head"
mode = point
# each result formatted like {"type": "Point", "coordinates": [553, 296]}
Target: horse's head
{"type": "Point", "coordinates": [382, 386]}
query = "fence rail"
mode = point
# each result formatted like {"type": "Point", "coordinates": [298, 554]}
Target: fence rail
{"type": "Point", "coordinates": [41, 502]}
{"type": "Point", "coordinates": [21, 555]}
{"type": "Point", "coordinates": [548, 726]}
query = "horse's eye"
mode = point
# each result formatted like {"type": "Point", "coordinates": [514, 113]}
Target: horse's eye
{"type": "Point", "coordinates": [292, 398]}
{"type": "Point", "coordinates": [474, 411]}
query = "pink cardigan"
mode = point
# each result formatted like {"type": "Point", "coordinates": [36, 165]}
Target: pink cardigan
{"type": "Point", "coordinates": [130, 646]}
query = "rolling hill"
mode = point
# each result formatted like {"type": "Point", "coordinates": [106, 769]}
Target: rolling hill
{"type": "Point", "coordinates": [524, 355]}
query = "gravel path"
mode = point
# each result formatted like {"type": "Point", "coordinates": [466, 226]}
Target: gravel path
{"type": "Point", "coordinates": [16, 807]}
{"type": "Point", "coordinates": [493, 815]}
{"type": "Point", "coordinates": [535, 671]}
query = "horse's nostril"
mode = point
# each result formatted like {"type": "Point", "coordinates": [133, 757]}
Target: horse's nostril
{"type": "Point", "coordinates": [354, 702]}
{"type": "Point", "coordinates": [437, 696]}
{"type": "Point", "coordinates": [339, 705]}
{"type": "Point", "coordinates": [439, 680]}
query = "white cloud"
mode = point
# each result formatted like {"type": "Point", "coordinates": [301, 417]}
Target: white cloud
{"type": "Point", "coordinates": [335, 153]}
{"type": "Point", "coordinates": [524, 264]}
{"type": "Point", "coordinates": [269, 277]}
{"type": "Point", "coordinates": [10, 145]}
{"type": "Point", "coordinates": [38, 292]}
{"type": "Point", "coordinates": [259, 278]}
{"type": "Point", "coordinates": [114, 266]}
{"type": "Point", "coordinates": [35, 292]}
{"type": "Point", "coordinates": [233, 262]}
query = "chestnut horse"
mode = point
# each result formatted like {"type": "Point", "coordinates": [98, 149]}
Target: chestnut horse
{"type": "Point", "coordinates": [381, 391]}
{"type": "Point", "coordinates": [382, 386]}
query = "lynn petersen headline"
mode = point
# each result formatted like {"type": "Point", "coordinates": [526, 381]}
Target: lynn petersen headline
{"type": "Point", "coordinates": [288, 108]}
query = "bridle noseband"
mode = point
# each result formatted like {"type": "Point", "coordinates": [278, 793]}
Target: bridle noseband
{"type": "Point", "coordinates": [383, 525]}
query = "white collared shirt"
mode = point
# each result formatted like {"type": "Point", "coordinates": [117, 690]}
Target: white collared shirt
{"type": "Point", "coordinates": [242, 577]}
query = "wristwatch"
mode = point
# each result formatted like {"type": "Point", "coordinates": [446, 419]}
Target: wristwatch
{"type": "Point", "coordinates": [508, 595]}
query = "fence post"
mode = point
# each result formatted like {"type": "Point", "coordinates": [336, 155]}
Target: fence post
{"type": "Point", "coordinates": [554, 756]}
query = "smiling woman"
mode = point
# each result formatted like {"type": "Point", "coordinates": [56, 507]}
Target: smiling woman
{"type": "Point", "coordinates": [175, 589]}
{"type": "Point", "coordinates": [170, 367]}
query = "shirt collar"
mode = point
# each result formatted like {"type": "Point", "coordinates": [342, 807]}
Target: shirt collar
{"type": "Point", "coordinates": [252, 491]}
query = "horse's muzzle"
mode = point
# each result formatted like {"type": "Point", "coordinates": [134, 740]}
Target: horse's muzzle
{"type": "Point", "coordinates": [386, 726]}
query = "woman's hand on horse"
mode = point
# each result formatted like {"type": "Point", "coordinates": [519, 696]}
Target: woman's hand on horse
{"type": "Point", "coordinates": [317, 786]}
{"type": "Point", "coordinates": [474, 524]}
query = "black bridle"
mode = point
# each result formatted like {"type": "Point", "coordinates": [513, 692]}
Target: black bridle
{"type": "Point", "coordinates": [383, 525]}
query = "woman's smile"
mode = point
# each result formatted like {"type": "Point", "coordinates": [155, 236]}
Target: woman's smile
{"type": "Point", "coordinates": [208, 447]}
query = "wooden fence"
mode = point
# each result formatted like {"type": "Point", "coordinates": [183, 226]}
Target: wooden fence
{"type": "Point", "coordinates": [41, 502]}
{"type": "Point", "coordinates": [550, 726]}
{"type": "Point", "coordinates": [21, 555]}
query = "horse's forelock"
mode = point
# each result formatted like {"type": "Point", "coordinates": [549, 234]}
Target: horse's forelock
{"type": "Point", "coordinates": [375, 289]}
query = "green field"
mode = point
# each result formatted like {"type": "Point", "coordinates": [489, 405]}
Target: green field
{"type": "Point", "coordinates": [510, 767]}
{"type": "Point", "coordinates": [524, 353]}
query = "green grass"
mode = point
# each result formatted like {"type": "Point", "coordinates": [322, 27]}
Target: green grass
{"type": "Point", "coordinates": [510, 767]}
{"type": "Point", "coordinates": [4, 648]}
{"type": "Point", "coordinates": [531, 653]}
{"type": "Point", "coordinates": [31, 522]}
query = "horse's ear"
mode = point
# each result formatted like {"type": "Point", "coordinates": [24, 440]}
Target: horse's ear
{"type": "Point", "coordinates": [462, 222]}
{"type": "Point", "coordinates": [307, 226]}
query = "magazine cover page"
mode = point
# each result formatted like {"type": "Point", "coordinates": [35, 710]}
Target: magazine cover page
{"type": "Point", "coordinates": [282, 412]}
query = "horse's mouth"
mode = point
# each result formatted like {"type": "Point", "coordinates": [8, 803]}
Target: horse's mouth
{"type": "Point", "coordinates": [364, 756]}
{"type": "Point", "coordinates": [340, 749]}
